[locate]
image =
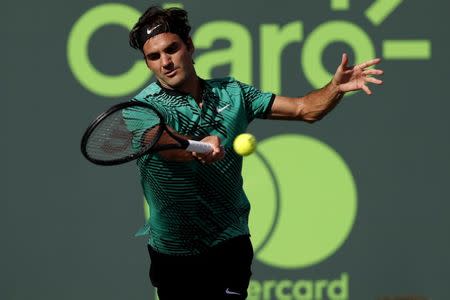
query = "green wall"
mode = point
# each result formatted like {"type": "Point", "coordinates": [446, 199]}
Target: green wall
{"type": "Point", "coordinates": [352, 207]}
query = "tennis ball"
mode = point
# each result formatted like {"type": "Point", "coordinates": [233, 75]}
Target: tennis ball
{"type": "Point", "coordinates": [244, 144]}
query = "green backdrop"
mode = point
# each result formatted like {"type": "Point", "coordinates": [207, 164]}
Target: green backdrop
{"type": "Point", "coordinates": [352, 207]}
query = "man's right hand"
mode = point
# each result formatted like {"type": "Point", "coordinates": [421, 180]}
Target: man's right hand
{"type": "Point", "coordinates": [216, 154]}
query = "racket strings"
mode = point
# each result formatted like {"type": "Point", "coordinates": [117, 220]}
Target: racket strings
{"type": "Point", "coordinates": [123, 134]}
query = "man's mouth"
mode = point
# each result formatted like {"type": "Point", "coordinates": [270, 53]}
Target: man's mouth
{"type": "Point", "coordinates": [171, 73]}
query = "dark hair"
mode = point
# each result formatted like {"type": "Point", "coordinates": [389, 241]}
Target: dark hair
{"type": "Point", "coordinates": [157, 20]}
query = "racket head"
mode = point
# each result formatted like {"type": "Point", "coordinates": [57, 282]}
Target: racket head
{"type": "Point", "coordinates": [123, 133]}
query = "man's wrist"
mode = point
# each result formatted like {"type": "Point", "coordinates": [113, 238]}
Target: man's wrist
{"type": "Point", "coordinates": [334, 85]}
{"type": "Point", "coordinates": [335, 89]}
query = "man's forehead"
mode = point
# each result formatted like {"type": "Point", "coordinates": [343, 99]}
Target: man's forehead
{"type": "Point", "coordinates": [160, 41]}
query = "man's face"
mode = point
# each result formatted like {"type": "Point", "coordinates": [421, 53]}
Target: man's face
{"type": "Point", "coordinates": [170, 59]}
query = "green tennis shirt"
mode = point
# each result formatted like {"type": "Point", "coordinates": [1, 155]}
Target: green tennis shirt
{"type": "Point", "coordinates": [194, 206]}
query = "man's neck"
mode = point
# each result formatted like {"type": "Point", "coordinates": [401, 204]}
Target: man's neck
{"type": "Point", "coordinates": [192, 87]}
{"type": "Point", "coordinates": [196, 90]}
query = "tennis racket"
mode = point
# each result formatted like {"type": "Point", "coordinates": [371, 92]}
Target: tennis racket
{"type": "Point", "coordinates": [130, 130]}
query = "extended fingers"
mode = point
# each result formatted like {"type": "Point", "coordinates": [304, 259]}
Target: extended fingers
{"type": "Point", "coordinates": [373, 80]}
{"type": "Point", "coordinates": [344, 60]}
{"type": "Point", "coordinates": [369, 63]}
{"type": "Point", "coordinates": [373, 72]}
{"type": "Point", "coordinates": [366, 89]}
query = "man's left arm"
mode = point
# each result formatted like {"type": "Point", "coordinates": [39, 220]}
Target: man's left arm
{"type": "Point", "coordinates": [316, 104]}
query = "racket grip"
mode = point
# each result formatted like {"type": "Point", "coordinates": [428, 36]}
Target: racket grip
{"type": "Point", "coordinates": [199, 147]}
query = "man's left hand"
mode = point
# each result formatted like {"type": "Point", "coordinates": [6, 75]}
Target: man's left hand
{"type": "Point", "coordinates": [353, 78]}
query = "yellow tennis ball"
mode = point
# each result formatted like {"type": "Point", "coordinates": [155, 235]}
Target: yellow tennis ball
{"type": "Point", "coordinates": [244, 144]}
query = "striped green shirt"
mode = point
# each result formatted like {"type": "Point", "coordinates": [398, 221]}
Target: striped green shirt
{"type": "Point", "coordinates": [194, 206]}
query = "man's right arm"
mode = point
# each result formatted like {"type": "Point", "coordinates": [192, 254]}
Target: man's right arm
{"type": "Point", "coordinates": [181, 155]}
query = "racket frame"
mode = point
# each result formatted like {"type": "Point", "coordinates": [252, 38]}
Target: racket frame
{"type": "Point", "coordinates": [143, 151]}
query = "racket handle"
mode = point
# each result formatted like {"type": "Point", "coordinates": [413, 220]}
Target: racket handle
{"type": "Point", "coordinates": [199, 147]}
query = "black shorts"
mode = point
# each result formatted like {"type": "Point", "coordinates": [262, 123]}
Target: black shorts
{"type": "Point", "coordinates": [221, 273]}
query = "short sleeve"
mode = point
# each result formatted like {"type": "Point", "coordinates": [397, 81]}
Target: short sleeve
{"type": "Point", "coordinates": [257, 103]}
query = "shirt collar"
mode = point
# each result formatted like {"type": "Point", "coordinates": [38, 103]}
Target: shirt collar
{"type": "Point", "coordinates": [173, 92]}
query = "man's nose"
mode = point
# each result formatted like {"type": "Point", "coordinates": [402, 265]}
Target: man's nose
{"type": "Point", "coordinates": [166, 60]}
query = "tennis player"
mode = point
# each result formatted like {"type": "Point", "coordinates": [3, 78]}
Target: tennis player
{"type": "Point", "coordinates": [198, 231]}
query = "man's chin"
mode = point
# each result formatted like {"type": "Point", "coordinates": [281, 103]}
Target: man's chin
{"type": "Point", "coordinates": [167, 84]}
{"type": "Point", "coordinates": [172, 83]}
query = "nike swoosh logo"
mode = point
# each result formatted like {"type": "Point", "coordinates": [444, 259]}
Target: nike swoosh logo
{"type": "Point", "coordinates": [227, 291]}
{"type": "Point", "coordinates": [219, 110]}
{"type": "Point", "coordinates": [152, 29]}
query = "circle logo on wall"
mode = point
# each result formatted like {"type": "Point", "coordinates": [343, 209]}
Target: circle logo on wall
{"type": "Point", "coordinates": [303, 198]}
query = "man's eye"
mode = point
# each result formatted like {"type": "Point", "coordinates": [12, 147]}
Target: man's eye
{"type": "Point", "coordinates": [172, 49]}
{"type": "Point", "coordinates": [153, 56]}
